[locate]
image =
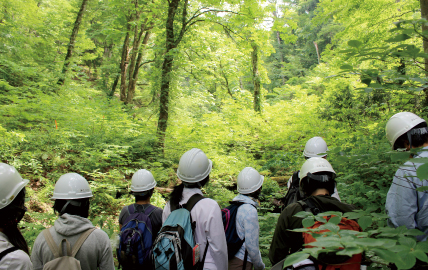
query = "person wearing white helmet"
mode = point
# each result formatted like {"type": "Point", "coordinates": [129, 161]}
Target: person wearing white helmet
{"type": "Point", "coordinates": [247, 224]}
{"type": "Point", "coordinates": [71, 195]}
{"type": "Point", "coordinates": [315, 147]}
{"type": "Point", "coordinates": [142, 187]}
{"type": "Point", "coordinates": [13, 247]}
{"type": "Point", "coordinates": [317, 184]}
{"type": "Point", "coordinates": [193, 170]}
{"type": "Point", "coordinates": [405, 205]}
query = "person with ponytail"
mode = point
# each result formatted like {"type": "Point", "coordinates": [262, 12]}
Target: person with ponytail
{"type": "Point", "coordinates": [13, 247]}
{"type": "Point", "coordinates": [193, 170]}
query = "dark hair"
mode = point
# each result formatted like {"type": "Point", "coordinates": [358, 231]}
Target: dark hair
{"type": "Point", "coordinates": [142, 196]}
{"type": "Point", "coordinates": [418, 139]}
{"type": "Point", "coordinates": [256, 194]}
{"type": "Point", "coordinates": [177, 193]}
{"type": "Point", "coordinates": [9, 222]}
{"type": "Point", "coordinates": [72, 208]}
{"type": "Point", "coordinates": [309, 185]}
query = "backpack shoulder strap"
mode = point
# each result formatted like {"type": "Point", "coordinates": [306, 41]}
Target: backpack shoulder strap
{"type": "Point", "coordinates": [7, 251]}
{"type": "Point", "coordinates": [193, 201]}
{"type": "Point", "coordinates": [51, 243]}
{"type": "Point", "coordinates": [309, 206]}
{"type": "Point", "coordinates": [295, 180]}
{"type": "Point", "coordinates": [131, 209]}
{"type": "Point", "coordinates": [149, 210]}
{"type": "Point", "coordinates": [80, 241]}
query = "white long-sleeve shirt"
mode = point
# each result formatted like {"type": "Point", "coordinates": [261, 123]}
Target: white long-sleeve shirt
{"type": "Point", "coordinates": [17, 260]}
{"type": "Point", "coordinates": [209, 226]}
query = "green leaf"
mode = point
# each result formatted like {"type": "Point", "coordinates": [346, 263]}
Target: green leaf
{"type": "Point", "coordinates": [397, 38]}
{"type": "Point", "coordinates": [384, 254]}
{"type": "Point", "coordinates": [347, 67]}
{"type": "Point", "coordinates": [308, 222]}
{"type": "Point", "coordinates": [320, 219]}
{"type": "Point", "coordinates": [422, 246]}
{"type": "Point", "coordinates": [365, 222]}
{"type": "Point", "coordinates": [405, 260]}
{"type": "Point", "coordinates": [331, 213]}
{"type": "Point", "coordinates": [331, 227]}
{"type": "Point", "coordinates": [414, 232]}
{"type": "Point", "coordinates": [355, 43]}
{"type": "Point", "coordinates": [370, 242]}
{"type": "Point", "coordinates": [353, 215]}
{"type": "Point", "coordinates": [400, 249]}
{"type": "Point", "coordinates": [303, 214]}
{"type": "Point", "coordinates": [407, 241]}
{"type": "Point", "coordinates": [335, 220]}
{"type": "Point", "coordinates": [422, 189]}
{"type": "Point", "coordinates": [349, 251]}
{"type": "Point", "coordinates": [422, 171]}
{"type": "Point", "coordinates": [295, 258]}
{"type": "Point", "coordinates": [420, 255]}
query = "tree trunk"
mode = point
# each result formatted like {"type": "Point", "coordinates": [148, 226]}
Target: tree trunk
{"type": "Point", "coordinates": [278, 40]}
{"type": "Point", "coordinates": [424, 15]}
{"type": "Point", "coordinates": [113, 88]}
{"type": "Point", "coordinates": [166, 74]}
{"type": "Point", "coordinates": [133, 60]}
{"type": "Point", "coordinates": [134, 78]}
{"type": "Point", "coordinates": [256, 78]}
{"type": "Point", "coordinates": [72, 41]}
{"type": "Point", "coordinates": [123, 64]}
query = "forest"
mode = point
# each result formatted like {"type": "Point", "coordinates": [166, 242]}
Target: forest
{"type": "Point", "coordinates": [105, 88]}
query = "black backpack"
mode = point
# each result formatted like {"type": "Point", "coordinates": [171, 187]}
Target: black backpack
{"type": "Point", "coordinates": [234, 243]}
{"type": "Point", "coordinates": [293, 194]}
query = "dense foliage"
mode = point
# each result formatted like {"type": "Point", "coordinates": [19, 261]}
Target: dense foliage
{"type": "Point", "coordinates": [249, 83]}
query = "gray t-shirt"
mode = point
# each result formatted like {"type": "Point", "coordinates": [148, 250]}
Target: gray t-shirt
{"type": "Point", "coordinates": [155, 217]}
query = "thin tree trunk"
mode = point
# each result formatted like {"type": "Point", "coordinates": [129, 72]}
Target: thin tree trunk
{"type": "Point", "coordinates": [113, 88]}
{"type": "Point", "coordinates": [278, 39]}
{"type": "Point", "coordinates": [133, 60]}
{"type": "Point", "coordinates": [133, 80]}
{"type": "Point", "coordinates": [171, 43]}
{"type": "Point", "coordinates": [123, 64]}
{"type": "Point", "coordinates": [424, 15]}
{"type": "Point", "coordinates": [256, 78]}
{"type": "Point", "coordinates": [72, 41]}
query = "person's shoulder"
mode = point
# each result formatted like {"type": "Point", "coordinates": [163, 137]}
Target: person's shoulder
{"type": "Point", "coordinates": [292, 209]}
{"type": "Point", "coordinates": [18, 257]}
{"type": "Point", "coordinates": [100, 233]}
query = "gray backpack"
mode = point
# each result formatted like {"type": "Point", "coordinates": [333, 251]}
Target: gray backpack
{"type": "Point", "coordinates": [64, 261]}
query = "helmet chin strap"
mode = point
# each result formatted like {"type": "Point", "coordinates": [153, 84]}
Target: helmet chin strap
{"type": "Point", "coordinates": [72, 202]}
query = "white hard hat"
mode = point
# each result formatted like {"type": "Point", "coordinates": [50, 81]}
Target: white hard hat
{"type": "Point", "coordinates": [314, 165]}
{"type": "Point", "coordinates": [249, 180]}
{"type": "Point", "coordinates": [194, 166]}
{"type": "Point", "coordinates": [315, 146]}
{"type": "Point", "coordinates": [399, 124]}
{"type": "Point", "coordinates": [11, 183]}
{"type": "Point", "coordinates": [142, 180]}
{"type": "Point", "coordinates": [71, 186]}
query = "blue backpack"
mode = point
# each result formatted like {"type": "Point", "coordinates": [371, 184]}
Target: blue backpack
{"type": "Point", "coordinates": [136, 238]}
{"type": "Point", "coordinates": [175, 247]}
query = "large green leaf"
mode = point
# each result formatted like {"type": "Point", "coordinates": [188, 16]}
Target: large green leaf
{"type": "Point", "coordinates": [335, 220]}
{"type": "Point", "coordinates": [355, 43]}
{"type": "Point", "coordinates": [420, 255]}
{"type": "Point", "coordinates": [397, 38]}
{"type": "Point", "coordinates": [349, 251]}
{"type": "Point", "coordinates": [295, 258]}
{"type": "Point", "coordinates": [365, 222]}
{"type": "Point", "coordinates": [308, 222]}
{"type": "Point", "coordinates": [353, 215]}
{"type": "Point", "coordinates": [386, 255]}
{"type": "Point", "coordinates": [303, 214]}
{"type": "Point", "coordinates": [422, 246]}
{"type": "Point", "coordinates": [407, 241]}
{"type": "Point", "coordinates": [422, 171]}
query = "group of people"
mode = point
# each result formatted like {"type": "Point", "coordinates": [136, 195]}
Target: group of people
{"type": "Point", "coordinates": [313, 185]}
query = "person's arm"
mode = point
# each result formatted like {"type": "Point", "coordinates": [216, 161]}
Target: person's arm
{"type": "Point", "coordinates": [402, 199]}
{"type": "Point", "coordinates": [166, 212]}
{"type": "Point", "coordinates": [216, 238]}
{"type": "Point", "coordinates": [284, 241]}
{"type": "Point", "coordinates": [251, 234]}
{"type": "Point", "coordinates": [105, 261]}
{"type": "Point", "coordinates": [35, 253]}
